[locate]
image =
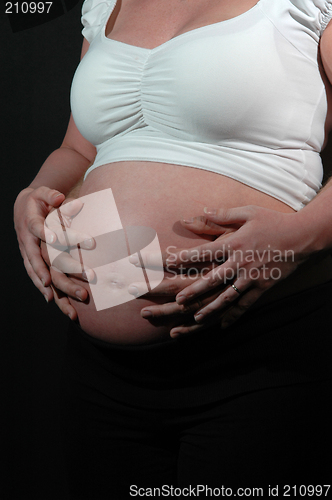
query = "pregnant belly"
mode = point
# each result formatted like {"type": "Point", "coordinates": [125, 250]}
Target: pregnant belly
{"type": "Point", "coordinates": [156, 196]}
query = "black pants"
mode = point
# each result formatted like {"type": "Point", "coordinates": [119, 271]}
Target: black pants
{"type": "Point", "coordinates": [273, 437]}
{"type": "Point", "coordinates": [119, 437]}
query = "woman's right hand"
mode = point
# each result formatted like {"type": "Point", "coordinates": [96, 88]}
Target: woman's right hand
{"type": "Point", "coordinates": [31, 208]}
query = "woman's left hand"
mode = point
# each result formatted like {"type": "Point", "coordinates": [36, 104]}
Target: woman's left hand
{"type": "Point", "coordinates": [266, 247]}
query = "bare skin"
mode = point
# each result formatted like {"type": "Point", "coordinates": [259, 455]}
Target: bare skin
{"type": "Point", "coordinates": [151, 194]}
{"type": "Point", "coordinates": [141, 27]}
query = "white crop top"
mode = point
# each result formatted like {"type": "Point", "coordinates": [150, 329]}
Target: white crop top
{"type": "Point", "coordinates": [243, 98]}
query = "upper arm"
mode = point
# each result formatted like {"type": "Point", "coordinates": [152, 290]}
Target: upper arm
{"type": "Point", "coordinates": [326, 51]}
{"type": "Point", "coordinates": [73, 138]}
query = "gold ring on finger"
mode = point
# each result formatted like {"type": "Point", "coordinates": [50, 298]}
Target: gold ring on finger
{"type": "Point", "coordinates": [236, 289]}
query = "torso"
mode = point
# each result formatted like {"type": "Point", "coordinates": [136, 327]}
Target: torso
{"type": "Point", "coordinates": [138, 23]}
{"type": "Point", "coordinates": [155, 194]}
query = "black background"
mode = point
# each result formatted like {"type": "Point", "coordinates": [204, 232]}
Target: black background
{"type": "Point", "coordinates": [36, 68]}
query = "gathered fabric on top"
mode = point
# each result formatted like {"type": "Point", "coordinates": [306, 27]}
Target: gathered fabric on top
{"type": "Point", "coordinates": [243, 98]}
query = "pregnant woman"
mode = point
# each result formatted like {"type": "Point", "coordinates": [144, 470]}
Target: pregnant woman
{"type": "Point", "coordinates": [182, 105]}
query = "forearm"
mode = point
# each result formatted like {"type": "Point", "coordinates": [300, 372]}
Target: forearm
{"type": "Point", "coordinates": [316, 220]}
{"type": "Point", "coordinates": [62, 170]}
{"type": "Point", "coordinates": [74, 192]}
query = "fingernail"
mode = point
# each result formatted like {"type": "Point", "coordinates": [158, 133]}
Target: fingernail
{"type": "Point", "coordinates": [225, 324]}
{"type": "Point", "coordinates": [46, 298]}
{"type": "Point", "coordinates": [174, 335]}
{"type": "Point", "coordinates": [89, 243]}
{"type": "Point", "coordinates": [133, 259]}
{"type": "Point", "coordinates": [188, 221]}
{"type": "Point", "coordinates": [43, 282]}
{"type": "Point", "coordinates": [180, 299]}
{"type": "Point", "coordinates": [50, 238]}
{"type": "Point", "coordinates": [171, 262]}
{"type": "Point", "coordinates": [198, 317]}
{"type": "Point", "coordinates": [146, 314]}
{"type": "Point", "coordinates": [78, 294]}
{"type": "Point", "coordinates": [87, 275]}
{"type": "Point", "coordinates": [133, 290]}
{"type": "Point", "coordinates": [210, 211]}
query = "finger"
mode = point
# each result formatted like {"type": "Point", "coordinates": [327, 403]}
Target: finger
{"type": "Point", "coordinates": [51, 197]}
{"type": "Point", "coordinates": [71, 207]}
{"type": "Point", "coordinates": [45, 198]}
{"type": "Point", "coordinates": [45, 290]}
{"type": "Point", "coordinates": [65, 213]}
{"type": "Point", "coordinates": [66, 264]}
{"type": "Point", "coordinates": [216, 250]}
{"type": "Point", "coordinates": [229, 215]}
{"type": "Point", "coordinates": [185, 329]}
{"type": "Point", "coordinates": [241, 307]}
{"type": "Point", "coordinates": [150, 260]}
{"type": "Point", "coordinates": [32, 255]}
{"type": "Point", "coordinates": [168, 286]}
{"type": "Point", "coordinates": [57, 225]}
{"type": "Point", "coordinates": [202, 225]}
{"type": "Point", "coordinates": [153, 260]}
{"type": "Point", "coordinates": [158, 311]}
{"type": "Point", "coordinates": [64, 305]}
{"type": "Point", "coordinates": [37, 227]}
{"type": "Point", "coordinates": [172, 308]}
{"type": "Point", "coordinates": [231, 294]}
{"type": "Point", "coordinates": [191, 327]}
{"type": "Point", "coordinates": [67, 237]}
{"type": "Point", "coordinates": [179, 259]}
{"type": "Point", "coordinates": [218, 277]}
{"type": "Point", "coordinates": [67, 287]}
